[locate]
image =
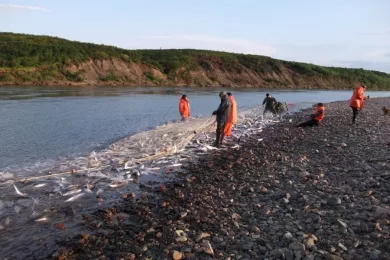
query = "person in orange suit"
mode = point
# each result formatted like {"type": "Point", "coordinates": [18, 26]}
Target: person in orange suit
{"type": "Point", "coordinates": [357, 101]}
{"type": "Point", "coordinates": [184, 108]}
{"type": "Point", "coordinates": [316, 118]}
{"type": "Point", "coordinates": [232, 116]}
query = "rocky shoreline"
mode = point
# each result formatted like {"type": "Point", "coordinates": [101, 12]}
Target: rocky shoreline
{"type": "Point", "coordinates": [286, 193]}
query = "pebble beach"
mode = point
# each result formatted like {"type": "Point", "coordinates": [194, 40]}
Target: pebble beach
{"type": "Point", "coordinates": [284, 193]}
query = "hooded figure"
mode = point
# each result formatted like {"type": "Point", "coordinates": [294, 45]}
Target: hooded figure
{"type": "Point", "coordinates": [222, 114]}
{"type": "Point", "coordinates": [232, 120]}
{"type": "Point", "coordinates": [184, 108]}
{"type": "Point", "coordinates": [357, 101]}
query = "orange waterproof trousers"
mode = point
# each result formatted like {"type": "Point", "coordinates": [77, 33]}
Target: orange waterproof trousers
{"type": "Point", "coordinates": [228, 129]}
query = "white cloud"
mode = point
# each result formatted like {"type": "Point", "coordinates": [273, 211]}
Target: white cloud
{"type": "Point", "coordinates": [24, 7]}
{"type": "Point", "coordinates": [206, 42]}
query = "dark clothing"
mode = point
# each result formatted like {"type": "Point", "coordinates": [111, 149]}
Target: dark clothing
{"type": "Point", "coordinates": [311, 122]}
{"type": "Point", "coordinates": [355, 112]}
{"type": "Point", "coordinates": [271, 109]}
{"type": "Point", "coordinates": [270, 104]}
{"type": "Point", "coordinates": [220, 133]}
{"type": "Point", "coordinates": [223, 111]}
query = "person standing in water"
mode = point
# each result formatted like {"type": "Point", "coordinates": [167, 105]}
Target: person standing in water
{"type": "Point", "coordinates": [222, 114]}
{"type": "Point", "coordinates": [184, 108]}
{"type": "Point", "coordinates": [232, 116]}
{"type": "Point", "coordinates": [357, 101]}
{"type": "Point", "coordinates": [269, 103]}
{"type": "Point", "coordinates": [316, 118]}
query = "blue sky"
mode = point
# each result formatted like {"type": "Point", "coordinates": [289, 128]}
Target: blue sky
{"type": "Point", "coordinates": [348, 33]}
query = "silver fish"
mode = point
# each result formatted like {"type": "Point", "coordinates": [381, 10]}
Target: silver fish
{"type": "Point", "coordinates": [75, 197]}
{"type": "Point", "coordinates": [40, 185]}
{"type": "Point", "coordinates": [19, 193]}
{"type": "Point", "coordinates": [208, 147]}
{"type": "Point", "coordinates": [118, 184]}
{"type": "Point", "coordinates": [41, 219]}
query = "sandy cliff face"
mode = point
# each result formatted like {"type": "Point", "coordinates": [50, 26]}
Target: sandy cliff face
{"type": "Point", "coordinates": [119, 72]}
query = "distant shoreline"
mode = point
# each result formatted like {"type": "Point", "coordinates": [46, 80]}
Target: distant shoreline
{"type": "Point", "coordinates": [129, 85]}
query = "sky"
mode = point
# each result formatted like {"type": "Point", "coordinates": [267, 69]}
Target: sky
{"type": "Point", "coordinates": [344, 33]}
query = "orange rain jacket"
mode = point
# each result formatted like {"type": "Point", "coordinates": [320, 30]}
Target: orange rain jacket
{"type": "Point", "coordinates": [319, 113]}
{"type": "Point", "coordinates": [357, 99]}
{"type": "Point", "coordinates": [184, 108]}
{"type": "Point", "coordinates": [233, 110]}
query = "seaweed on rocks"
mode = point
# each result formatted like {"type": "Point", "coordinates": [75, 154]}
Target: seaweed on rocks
{"type": "Point", "coordinates": [298, 193]}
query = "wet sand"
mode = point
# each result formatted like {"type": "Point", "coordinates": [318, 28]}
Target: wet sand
{"type": "Point", "coordinates": [285, 193]}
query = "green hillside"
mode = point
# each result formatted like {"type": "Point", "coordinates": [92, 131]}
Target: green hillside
{"type": "Point", "coordinates": [29, 59]}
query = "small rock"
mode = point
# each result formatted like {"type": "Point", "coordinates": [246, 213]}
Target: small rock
{"type": "Point", "coordinates": [277, 254]}
{"type": "Point", "coordinates": [334, 201]}
{"type": "Point", "coordinates": [344, 225]}
{"type": "Point", "coordinates": [201, 236]}
{"type": "Point", "coordinates": [310, 257]}
{"type": "Point", "coordinates": [235, 216]}
{"type": "Point", "coordinates": [176, 255]}
{"type": "Point", "coordinates": [288, 236]}
{"type": "Point", "coordinates": [296, 246]}
{"type": "Point", "coordinates": [342, 247]}
{"type": "Point", "coordinates": [181, 239]}
{"type": "Point", "coordinates": [207, 248]}
{"type": "Point", "coordinates": [310, 242]}
{"type": "Point", "coordinates": [246, 214]}
{"type": "Point", "coordinates": [374, 255]}
{"type": "Point", "coordinates": [179, 233]}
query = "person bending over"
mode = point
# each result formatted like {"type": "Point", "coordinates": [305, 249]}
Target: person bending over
{"type": "Point", "coordinates": [316, 118]}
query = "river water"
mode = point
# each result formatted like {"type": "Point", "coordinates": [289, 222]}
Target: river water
{"type": "Point", "coordinates": [43, 127]}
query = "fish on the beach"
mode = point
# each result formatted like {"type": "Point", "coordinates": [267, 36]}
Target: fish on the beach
{"type": "Point", "coordinates": [20, 193]}
{"type": "Point", "coordinates": [209, 147]}
{"type": "Point", "coordinates": [75, 197]}
{"type": "Point", "coordinates": [43, 219]}
{"type": "Point", "coordinates": [40, 185]}
{"type": "Point", "coordinates": [117, 184]}
{"type": "Point", "coordinates": [153, 169]}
